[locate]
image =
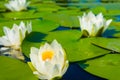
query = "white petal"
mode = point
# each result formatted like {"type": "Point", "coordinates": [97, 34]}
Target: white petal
{"type": "Point", "coordinates": [15, 36]}
{"type": "Point", "coordinates": [99, 16]}
{"type": "Point", "coordinates": [55, 71]}
{"type": "Point", "coordinates": [29, 27]}
{"type": "Point", "coordinates": [59, 54]}
{"type": "Point", "coordinates": [86, 22]}
{"type": "Point", "coordinates": [34, 55]}
{"type": "Point", "coordinates": [22, 29]}
{"type": "Point", "coordinates": [107, 24]}
{"type": "Point", "coordinates": [17, 5]}
{"type": "Point", "coordinates": [47, 46]}
{"type": "Point", "coordinates": [55, 44]}
{"type": "Point", "coordinates": [48, 67]}
{"type": "Point", "coordinates": [91, 16]}
{"type": "Point", "coordinates": [6, 30]}
{"type": "Point", "coordinates": [40, 76]}
{"type": "Point", "coordinates": [4, 41]}
{"type": "Point", "coordinates": [35, 61]}
{"type": "Point", "coordinates": [9, 7]}
{"type": "Point", "coordinates": [65, 67]}
{"type": "Point", "coordinates": [14, 5]}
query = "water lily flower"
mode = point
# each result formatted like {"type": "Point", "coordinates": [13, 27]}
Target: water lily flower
{"type": "Point", "coordinates": [49, 61]}
{"type": "Point", "coordinates": [13, 37]}
{"type": "Point", "coordinates": [92, 25]}
{"type": "Point", "coordinates": [17, 5]}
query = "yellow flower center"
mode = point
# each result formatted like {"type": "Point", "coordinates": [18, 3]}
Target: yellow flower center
{"type": "Point", "coordinates": [47, 55]}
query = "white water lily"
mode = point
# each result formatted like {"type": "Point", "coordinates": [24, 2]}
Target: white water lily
{"type": "Point", "coordinates": [49, 61]}
{"type": "Point", "coordinates": [13, 37]}
{"type": "Point", "coordinates": [17, 5]}
{"type": "Point", "coordinates": [92, 25]}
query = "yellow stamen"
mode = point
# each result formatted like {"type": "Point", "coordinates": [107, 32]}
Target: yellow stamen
{"type": "Point", "coordinates": [47, 55]}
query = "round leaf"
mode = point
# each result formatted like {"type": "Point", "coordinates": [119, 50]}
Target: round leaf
{"type": "Point", "coordinates": [12, 69]}
{"type": "Point", "coordinates": [77, 49]}
{"type": "Point", "coordinates": [107, 66]}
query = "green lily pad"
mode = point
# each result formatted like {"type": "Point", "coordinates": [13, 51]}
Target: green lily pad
{"type": "Point", "coordinates": [116, 25]}
{"type": "Point", "coordinates": [73, 12]}
{"type": "Point", "coordinates": [12, 69]}
{"type": "Point", "coordinates": [111, 44]}
{"type": "Point", "coordinates": [113, 12]}
{"type": "Point", "coordinates": [99, 9]}
{"type": "Point", "coordinates": [107, 66]}
{"type": "Point", "coordinates": [41, 6]}
{"type": "Point", "coordinates": [76, 49]}
{"type": "Point", "coordinates": [47, 7]}
{"type": "Point", "coordinates": [44, 25]}
{"type": "Point", "coordinates": [63, 19]}
{"type": "Point", "coordinates": [2, 7]}
{"type": "Point", "coordinates": [29, 14]}
{"type": "Point", "coordinates": [34, 39]}
{"type": "Point", "coordinates": [2, 4]}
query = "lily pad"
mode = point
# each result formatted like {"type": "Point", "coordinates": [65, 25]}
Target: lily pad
{"type": "Point", "coordinates": [2, 4]}
{"type": "Point", "coordinates": [111, 44]}
{"type": "Point", "coordinates": [107, 66]}
{"type": "Point", "coordinates": [44, 25]}
{"type": "Point", "coordinates": [13, 69]}
{"type": "Point", "coordinates": [63, 19]}
{"type": "Point", "coordinates": [74, 12]}
{"type": "Point", "coordinates": [29, 14]}
{"type": "Point", "coordinates": [99, 9]}
{"type": "Point", "coordinates": [34, 39]}
{"type": "Point", "coordinates": [77, 49]}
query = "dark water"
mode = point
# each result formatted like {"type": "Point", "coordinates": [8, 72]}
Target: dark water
{"type": "Point", "coordinates": [61, 28]}
{"type": "Point", "coordinates": [75, 72]}
{"type": "Point", "coordinates": [117, 18]}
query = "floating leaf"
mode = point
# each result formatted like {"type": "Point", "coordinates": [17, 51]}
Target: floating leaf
{"type": "Point", "coordinates": [107, 66]}
{"type": "Point", "coordinates": [2, 7]}
{"type": "Point", "coordinates": [20, 15]}
{"type": "Point", "coordinates": [76, 49]}
{"type": "Point", "coordinates": [34, 39]}
{"type": "Point", "coordinates": [99, 9]}
{"type": "Point", "coordinates": [63, 20]}
{"type": "Point", "coordinates": [111, 44]}
{"type": "Point", "coordinates": [44, 25]}
{"type": "Point", "coordinates": [71, 12]}
{"type": "Point", "coordinates": [12, 69]}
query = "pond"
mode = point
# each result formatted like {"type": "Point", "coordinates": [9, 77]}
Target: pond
{"type": "Point", "coordinates": [92, 54]}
